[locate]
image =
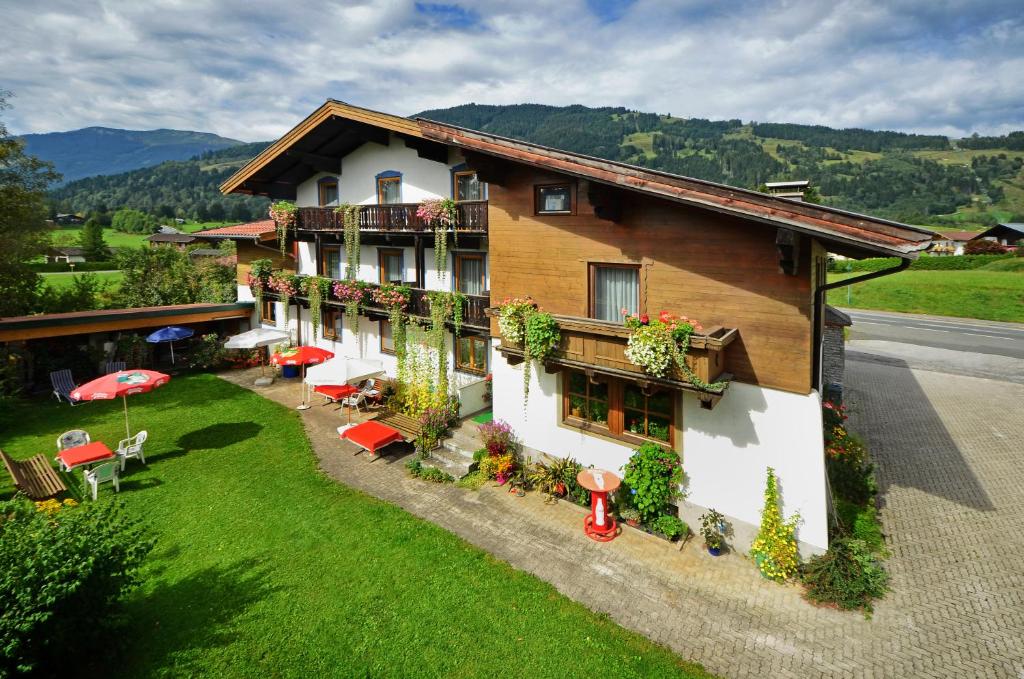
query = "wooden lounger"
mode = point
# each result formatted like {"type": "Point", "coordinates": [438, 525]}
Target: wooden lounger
{"type": "Point", "coordinates": [35, 476]}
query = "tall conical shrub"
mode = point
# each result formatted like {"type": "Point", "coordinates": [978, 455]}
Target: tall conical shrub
{"type": "Point", "coordinates": [775, 549]}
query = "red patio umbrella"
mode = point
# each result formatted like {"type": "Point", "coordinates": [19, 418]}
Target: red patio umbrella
{"type": "Point", "coordinates": [123, 383]}
{"type": "Point", "coordinates": [304, 355]}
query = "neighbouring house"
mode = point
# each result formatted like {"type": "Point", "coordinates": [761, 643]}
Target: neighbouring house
{"type": "Point", "coordinates": [951, 242]}
{"type": "Point", "coordinates": [793, 190]}
{"type": "Point", "coordinates": [178, 240]}
{"type": "Point", "coordinates": [68, 255]}
{"type": "Point", "coordinates": [1008, 234]}
{"type": "Point", "coordinates": [66, 219]}
{"type": "Point", "coordinates": [585, 238]}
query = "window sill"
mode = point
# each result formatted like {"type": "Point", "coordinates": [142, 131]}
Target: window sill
{"type": "Point", "coordinates": [471, 371]}
{"type": "Point", "coordinates": [600, 431]}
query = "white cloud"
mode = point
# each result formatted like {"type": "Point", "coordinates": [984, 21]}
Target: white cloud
{"type": "Point", "coordinates": [251, 69]}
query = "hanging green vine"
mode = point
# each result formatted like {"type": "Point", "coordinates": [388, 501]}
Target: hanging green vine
{"type": "Point", "coordinates": [283, 212]}
{"type": "Point", "coordinates": [259, 275]}
{"type": "Point", "coordinates": [397, 319]}
{"type": "Point", "coordinates": [353, 295]}
{"type": "Point", "coordinates": [441, 214]}
{"type": "Point", "coordinates": [458, 311]}
{"type": "Point", "coordinates": [438, 316]}
{"type": "Point", "coordinates": [350, 222]}
{"type": "Point", "coordinates": [315, 287]}
{"type": "Point", "coordinates": [284, 284]}
{"type": "Point", "coordinates": [522, 322]}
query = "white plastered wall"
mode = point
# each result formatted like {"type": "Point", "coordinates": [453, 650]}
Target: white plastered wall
{"type": "Point", "coordinates": [726, 451]}
{"type": "Point", "coordinates": [357, 179]}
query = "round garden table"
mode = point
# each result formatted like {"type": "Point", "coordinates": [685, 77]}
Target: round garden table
{"type": "Point", "coordinates": [599, 524]}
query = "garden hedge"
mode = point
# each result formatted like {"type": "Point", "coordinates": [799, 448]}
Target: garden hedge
{"type": "Point", "coordinates": [923, 263]}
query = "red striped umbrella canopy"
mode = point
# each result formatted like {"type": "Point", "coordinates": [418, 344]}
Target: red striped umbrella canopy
{"type": "Point", "coordinates": [304, 355]}
{"type": "Point", "coordinates": [123, 383]}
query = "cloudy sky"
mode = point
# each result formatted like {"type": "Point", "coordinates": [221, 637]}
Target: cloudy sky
{"type": "Point", "coordinates": [250, 69]}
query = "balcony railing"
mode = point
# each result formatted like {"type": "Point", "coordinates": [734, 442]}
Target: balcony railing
{"type": "Point", "coordinates": [471, 216]}
{"type": "Point", "coordinates": [601, 346]}
{"type": "Point", "coordinates": [473, 314]}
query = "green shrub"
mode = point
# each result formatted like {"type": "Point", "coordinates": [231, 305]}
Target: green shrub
{"type": "Point", "coordinates": [435, 475]}
{"type": "Point", "coordinates": [847, 575]}
{"type": "Point", "coordinates": [861, 523]}
{"type": "Point", "coordinates": [851, 479]}
{"type": "Point", "coordinates": [922, 263]}
{"type": "Point", "coordinates": [653, 475]}
{"type": "Point", "coordinates": [208, 353]}
{"type": "Point", "coordinates": [670, 526]}
{"type": "Point", "coordinates": [63, 569]}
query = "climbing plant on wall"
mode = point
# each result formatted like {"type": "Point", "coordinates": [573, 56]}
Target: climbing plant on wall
{"type": "Point", "coordinates": [316, 289]}
{"type": "Point", "coordinates": [440, 213]}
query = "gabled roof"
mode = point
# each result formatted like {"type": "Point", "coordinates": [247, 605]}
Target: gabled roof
{"type": "Point", "coordinates": [336, 128]}
{"type": "Point", "coordinates": [848, 232]}
{"type": "Point", "coordinates": [1007, 228]}
{"type": "Point", "coordinates": [171, 238]}
{"type": "Point", "coordinates": [262, 230]}
{"type": "Point", "coordinates": [956, 235]}
{"type": "Point", "coordinates": [331, 131]}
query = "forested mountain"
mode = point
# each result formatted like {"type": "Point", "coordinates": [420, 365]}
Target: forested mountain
{"type": "Point", "coordinates": [923, 179]}
{"type": "Point", "coordinates": [179, 188]}
{"type": "Point", "coordinates": [927, 179]}
{"type": "Point", "coordinates": [102, 150]}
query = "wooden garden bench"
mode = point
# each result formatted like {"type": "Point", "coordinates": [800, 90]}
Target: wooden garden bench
{"type": "Point", "coordinates": [410, 427]}
{"type": "Point", "coordinates": [35, 476]}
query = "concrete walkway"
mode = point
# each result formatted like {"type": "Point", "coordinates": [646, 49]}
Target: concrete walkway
{"type": "Point", "coordinates": [951, 476]}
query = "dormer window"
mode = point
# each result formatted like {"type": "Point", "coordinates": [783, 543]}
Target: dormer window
{"type": "Point", "coordinates": [327, 191]}
{"type": "Point", "coordinates": [389, 188]}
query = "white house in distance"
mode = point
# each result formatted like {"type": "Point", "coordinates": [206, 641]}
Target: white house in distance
{"type": "Point", "coordinates": [584, 238]}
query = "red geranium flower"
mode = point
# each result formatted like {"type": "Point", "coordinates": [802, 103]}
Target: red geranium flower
{"type": "Point", "coordinates": [645, 319]}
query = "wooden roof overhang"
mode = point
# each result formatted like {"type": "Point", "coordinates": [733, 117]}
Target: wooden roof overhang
{"type": "Point", "coordinates": [107, 320]}
{"type": "Point", "coordinates": [318, 143]}
{"type": "Point", "coordinates": [847, 233]}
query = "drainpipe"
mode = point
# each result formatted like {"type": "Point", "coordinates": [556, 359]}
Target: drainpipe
{"type": "Point", "coordinates": [819, 309]}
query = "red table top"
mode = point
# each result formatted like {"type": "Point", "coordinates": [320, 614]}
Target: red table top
{"type": "Point", "coordinates": [335, 391]}
{"type": "Point", "coordinates": [90, 452]}
{"type": "Point", "coordinates": [372, 435]}
{"type": "Point", "coordinates": [598, 480]}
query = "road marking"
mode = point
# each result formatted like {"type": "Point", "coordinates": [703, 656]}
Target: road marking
{"type": "Point", "coordinates": [951, 332]}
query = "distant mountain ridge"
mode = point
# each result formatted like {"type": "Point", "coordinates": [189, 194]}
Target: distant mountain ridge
{"type": "Point", "coordinates": [93, 151]}
{"type": "Point", "coordinates": [920, 179]}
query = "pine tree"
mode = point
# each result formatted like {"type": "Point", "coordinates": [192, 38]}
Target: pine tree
{"type": "Point", "coordinates": [91, 240]}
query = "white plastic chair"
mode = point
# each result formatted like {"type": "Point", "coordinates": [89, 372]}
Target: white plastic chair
{"type": "Point", "coordinates": [73, 439]}
{"type": "Point", "coordinates": [108, 471]}
{"type": "Point", "coordinates": [356, 401]}
{"type": "Point", "coordinates": [132, 448]}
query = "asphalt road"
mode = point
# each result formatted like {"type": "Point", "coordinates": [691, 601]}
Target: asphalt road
{"type": "Point", "coordinates": [954, 345]}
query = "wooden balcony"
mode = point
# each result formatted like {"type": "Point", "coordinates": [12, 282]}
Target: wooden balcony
{"type": "Point", "coordinates": [599, 347]}
{"type": "Point", "coordinates": [474, 314]}
{"type": "Point", "coordinates": [471, 217]}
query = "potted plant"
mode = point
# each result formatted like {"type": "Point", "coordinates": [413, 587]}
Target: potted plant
{"type": "Point", "coordinates": [712, 529]}
{"type": "Point", "coordinates": [630, 515]}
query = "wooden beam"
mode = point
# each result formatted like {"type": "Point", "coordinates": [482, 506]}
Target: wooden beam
{"type": "Point", "coordinates": [269, 189]}
{"type": "Point", "coordinates": [317, 162]}
{"type": "Point", "coordinates": [606, 201]}
{"type": "Point", "coordinates": [488, 168]}
{"type": "Point", "coordinates": [425, 148]}
{"type": "Point", "coordinates": [787, 243]}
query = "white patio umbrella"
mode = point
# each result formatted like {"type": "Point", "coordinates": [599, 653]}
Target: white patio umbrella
{"type": "Point", "coordinates": [343, 370]}
{"type": "Point", "coordinates": [257, 337]}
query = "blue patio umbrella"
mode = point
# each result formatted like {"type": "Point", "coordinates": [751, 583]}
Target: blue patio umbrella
{"type": "Point", "coordinates": [169, 334]}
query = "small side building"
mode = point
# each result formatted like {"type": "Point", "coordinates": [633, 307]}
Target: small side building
{"type": "Point", "coordinates": [833, 353]}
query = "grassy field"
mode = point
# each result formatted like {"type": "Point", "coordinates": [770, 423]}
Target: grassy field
{"type": "Point", "coordinates": [61, 280]}
{"type": "Point", "coordinates": [118, 239]}
{"type": "Point", "coordinates": [264, 567]}
{"type": "Point", "coordinates": [993, 295]}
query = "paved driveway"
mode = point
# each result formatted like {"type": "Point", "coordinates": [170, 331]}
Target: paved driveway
{"type": "Point", "coordinates": [951, 460]}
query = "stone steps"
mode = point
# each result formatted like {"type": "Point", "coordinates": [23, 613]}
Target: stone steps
{"type": "Point", "coordinates": [455, 455]}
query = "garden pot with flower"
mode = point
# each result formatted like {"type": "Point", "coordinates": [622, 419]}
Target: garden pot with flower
{"type": "Point", "coordinates": [713, 529]}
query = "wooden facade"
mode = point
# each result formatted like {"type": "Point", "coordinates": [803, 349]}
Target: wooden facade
{"type": "Point", "coordinates": [719, 269]}
{"type": "Point", "coordinates": [248, 251]}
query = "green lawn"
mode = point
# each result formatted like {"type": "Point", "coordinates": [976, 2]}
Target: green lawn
{"type": "Point", "coordinates": [989, 295]}
{"type": "Point", "coordinates": [61, 280]}
{"type": "Point", "coordinates": [264, 567]}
